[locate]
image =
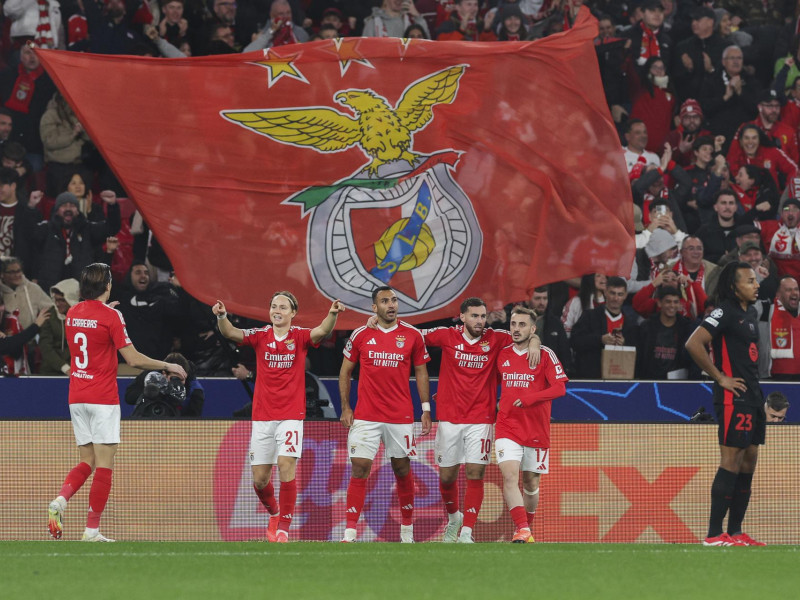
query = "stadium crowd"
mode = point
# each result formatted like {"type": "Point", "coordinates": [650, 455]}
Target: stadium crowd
{"type": "Point", "coordinates": [705, 96]}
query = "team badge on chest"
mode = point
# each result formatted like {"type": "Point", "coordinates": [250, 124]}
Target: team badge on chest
{"type": "Point", "coordinates": [290, 345]}
{"type": "Point", "coordinates": [485, 346]}
{"type": "Point", "coordinates": [400, 341]}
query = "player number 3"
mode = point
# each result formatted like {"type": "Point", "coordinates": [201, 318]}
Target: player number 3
{"type": "Point", "coordinates": [81, 361]}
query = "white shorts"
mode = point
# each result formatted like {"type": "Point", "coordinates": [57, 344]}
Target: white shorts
{"type": "Point", "coordinates": [95, 423]}
{"type": "Point", "coordinates": [457, 443]}
{"type": "Point", "coordinates": [271, 439]}
{"type": "Point", "coordinates": [533, 460]}
{"type": "Point", "coordinates": [365, 437]}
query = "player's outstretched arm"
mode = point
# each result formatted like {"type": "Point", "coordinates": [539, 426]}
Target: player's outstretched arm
{"type": "Point", "coordinates": [345, 374]}
{"type": "Point", "coordinates": [324, 329]}
{"type": "Point", "coordinates": [226, 328]}
{"type": "Point", "coordinates": [138, 360]}
{"type": "Point", "coordinates": [697, 345]}
{"type": "Point", "coordinates": [423, 388]}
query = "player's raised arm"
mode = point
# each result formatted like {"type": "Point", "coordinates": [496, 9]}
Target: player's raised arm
{"type": "Point", "coordinates": [324, 329]}
{"type": "Point", "coordinates": [226, 328]}
{"type": "Point", "coordinates": [138, 360]}
{"type": "Point", "coordinates": [423, 388]}
{"type": "Point", "coordinates": [345, 375]}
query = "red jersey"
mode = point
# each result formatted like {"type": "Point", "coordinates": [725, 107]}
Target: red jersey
{"type": "Point", "coordinates": [530, 424]}
{"type": "Point", "coordinates": [467, 390]}
{"type": "Point", "coordinates": [280, 390]}
{"type": "Point", "coordinates": [94, 333]}
{"type": "Point", "coordinates": [386, 356]}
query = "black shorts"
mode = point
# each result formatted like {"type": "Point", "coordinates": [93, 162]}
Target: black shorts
{"type": "Point", "coordinates": [741, 425]}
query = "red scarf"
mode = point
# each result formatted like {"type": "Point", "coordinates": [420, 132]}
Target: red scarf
{"type": "Point", "coordinates": [44, 32]}
{"type": "Point", "coordinates": [24, 87]}
{"type": "Point", "coordinates": [746, 199]}
{"type": "Point", "coordinates": [693, 298]}
{"type": "Point", "coordinates": [780, 332]}
{"type": "Point", "coordinates": [284, 35]}
{"type": "Point", "coordinates": [650, 46]}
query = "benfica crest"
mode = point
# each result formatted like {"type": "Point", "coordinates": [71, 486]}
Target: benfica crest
{"type": "Point", "coordinates": [401, 220]}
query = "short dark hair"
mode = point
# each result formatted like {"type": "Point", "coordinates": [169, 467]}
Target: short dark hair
{"type": "Point", "coordinates": [726, 285]}
{"type": "Point", "coordinates": [524, 310]}
{"type": "Point", "coordinates": [94, 280]}
{"type": "Point", "coordinates": [8, 175]}
{"type": "Point", "coordinates": [703, 140]}
{"type": "Point", "coordinates": [616, 282]}
{"type": "Point", "coordinates": [664, 291]}
{"type": "Point", "coordinates": [471, 302]}
{"type": "Point", "coordinates": [631, 122]}
{"type": "Point", "coordinates": [655, 204]}
{"type": "Point", "coordinates": [777, 401]}
{"type": "Point", "coordinates": [542, 288]}
{"type": "Point", "coordinates": [378, 290]}
{"type": "Point", "coordinates": [177, 357]}
{"type": "Point", "coordinates": [721, 193]}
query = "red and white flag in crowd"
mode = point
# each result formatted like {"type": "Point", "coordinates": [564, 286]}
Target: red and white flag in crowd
{"type": "Point", "coordinates": [443, 169]}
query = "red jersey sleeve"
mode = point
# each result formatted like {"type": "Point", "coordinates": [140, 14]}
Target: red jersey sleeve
{"type": "Point", "coordinates": [303, 336]}
{"type": "Point", "coordinates": [503, 337]}
{"type": "Point", "coordinates": [352, 349]}
{"type": "Point", "coordinates": [250, 337]}
{"type": "Point", "coordinates": [437, 337]}
{"type": "Point", "coordinates": [420, 355]}
{"type": "Point", "coordinates": [119, 334]}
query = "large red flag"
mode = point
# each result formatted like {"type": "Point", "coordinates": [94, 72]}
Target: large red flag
{"type": "Point", "coordinates": [443, 169]}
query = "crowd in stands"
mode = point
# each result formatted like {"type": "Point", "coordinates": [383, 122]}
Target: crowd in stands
{"type": "Point", "coordinates": [705, 95]}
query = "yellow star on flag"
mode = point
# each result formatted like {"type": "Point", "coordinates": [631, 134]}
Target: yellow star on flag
{"type": "Point", "coordinates": [279, 66]}
{"type": "Point", "coordinates": [346, 49]}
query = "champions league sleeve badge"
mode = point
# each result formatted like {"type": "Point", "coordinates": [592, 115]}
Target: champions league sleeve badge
{"type": "Point", "coordinates": [400, 220]}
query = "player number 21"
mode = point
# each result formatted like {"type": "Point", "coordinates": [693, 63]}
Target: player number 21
{"type": "Point", "coordinates": [81, 361]}
{"type": "Point", "coordinates": [289, 441]}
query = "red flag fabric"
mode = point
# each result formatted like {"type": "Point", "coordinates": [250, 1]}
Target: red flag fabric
{"type": "Point", "coordinates": [443, 169]}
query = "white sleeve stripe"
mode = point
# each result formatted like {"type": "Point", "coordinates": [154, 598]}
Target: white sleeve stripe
{"type": "Point", "coordinates": [357, 331]}
{"type": "Point", "coordinates": [552, 354]}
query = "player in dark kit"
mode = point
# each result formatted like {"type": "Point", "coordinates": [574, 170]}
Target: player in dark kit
{"type": "Point", "coordinates": [732, 329]}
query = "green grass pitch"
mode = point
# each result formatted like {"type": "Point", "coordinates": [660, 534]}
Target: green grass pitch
{"type": "Point", "coordinates": [176, 570]}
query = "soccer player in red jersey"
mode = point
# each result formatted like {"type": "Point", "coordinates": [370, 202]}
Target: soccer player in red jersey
{"type": "Point", "coordinates": [279, 401]}
{"type": "Point", "coordinates": [95, 332]}
{"type": "Point", "coordinates": [384, 410]}
{"type": "Point", "coordinates": [522, 432]}
{"type": "Point", "coordinates": [466, 403]}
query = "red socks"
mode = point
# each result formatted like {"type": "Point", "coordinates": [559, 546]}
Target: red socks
{"type": "Point", "coordinates": [75, 479]}
{"type": "Point", "coordinates": [405, 493]}
{"type": "Point", "coordinates": [288, 498]}
{"type": "Point", "coordinates": [530, 516]}
{"type": "Point", "coordinates": [449, 496]}
{"type": "Point", "coordinates": [98, 496]}
{"type": "Point", "coordinates": [473, 498]}
{"type": "Point", "coordinates": [356, 494]}
{"type": "Point", "coordinates": [267, 497]}
{"type": "Point", "coordinates": [519, 516]}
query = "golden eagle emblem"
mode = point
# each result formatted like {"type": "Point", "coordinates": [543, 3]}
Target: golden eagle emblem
{"type": "Point", "coordinates": [383, 132]}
